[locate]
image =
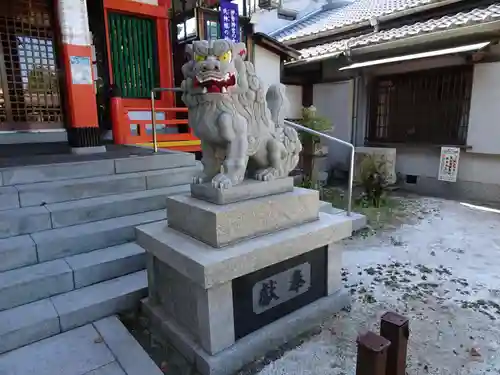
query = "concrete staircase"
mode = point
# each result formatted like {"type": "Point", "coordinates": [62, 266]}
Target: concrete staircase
{"type": "Point", "coordinates": [66, 231]}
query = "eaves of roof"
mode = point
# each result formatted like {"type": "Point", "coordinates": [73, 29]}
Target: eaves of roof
{"type": "Point", "coordinates": [465, 22]}
{"type": "Point", "coordinates": [273, 45]}
{"type": "Point", "coordinates": [354, 16]}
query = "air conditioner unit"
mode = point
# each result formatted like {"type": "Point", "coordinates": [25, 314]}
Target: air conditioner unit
{"type": "Point", "coordinates": [269, 4]}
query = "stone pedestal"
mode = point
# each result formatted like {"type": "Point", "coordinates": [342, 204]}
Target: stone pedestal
{"type": "Point", "coordinates": [230, 282]}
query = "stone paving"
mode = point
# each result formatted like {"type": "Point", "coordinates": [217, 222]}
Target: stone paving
{"type": "Point", "coordinates": [104, 347]}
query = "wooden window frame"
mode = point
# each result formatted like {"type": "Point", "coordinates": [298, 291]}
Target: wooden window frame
{"type": "Point", "coordinates": [429, 107]}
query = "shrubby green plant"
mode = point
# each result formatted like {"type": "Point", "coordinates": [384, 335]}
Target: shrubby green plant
{"type": "Point", "coordinates": [374, 180]}
{"type": "Point", "coordinates": [310, 119]}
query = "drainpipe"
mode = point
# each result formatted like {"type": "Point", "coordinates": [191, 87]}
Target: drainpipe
{"type": "Point", "coordinates": [355, 104]}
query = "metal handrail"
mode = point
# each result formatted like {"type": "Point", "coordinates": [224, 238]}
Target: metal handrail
{"type": "Point", "coordinates": [153, 111]}
{"type": "Point", "coordinates": [330, 138]}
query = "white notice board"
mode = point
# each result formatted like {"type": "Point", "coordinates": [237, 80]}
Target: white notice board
{"type": "Point", "coordinates": [81, 70]}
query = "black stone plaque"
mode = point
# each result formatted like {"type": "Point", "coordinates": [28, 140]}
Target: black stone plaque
{"type": "Point", "coordinates": [266, 295]}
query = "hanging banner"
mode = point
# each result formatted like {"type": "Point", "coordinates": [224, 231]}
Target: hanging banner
{"type": "Point", "coordinates": [74, 22]}
{"type": "Point", "coordinates": [229, 25]}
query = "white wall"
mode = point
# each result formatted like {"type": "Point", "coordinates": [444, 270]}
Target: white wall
{"type": "Point", "coordinates": [425, 162]}
{"type": "Point", "coordinates": [484, 126]}
{"type": "Point", "coordinates": [267, 66]}
{"type": "Point", "coordinates": [334, 101]}
{"type": "Point", "coordinates": [483, 136]}
{"type": "Point", "coordinates": [268, 69]}
{"type": "Point", "coordinates": [294, 95]}
{"type": "Point", "coordinates": [481, 163]}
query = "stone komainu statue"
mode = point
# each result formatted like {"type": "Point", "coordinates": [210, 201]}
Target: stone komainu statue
{"type": "Point", "coordinates": [240, 126]}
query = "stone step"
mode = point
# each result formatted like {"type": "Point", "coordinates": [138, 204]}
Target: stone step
{"type": "Point", "coordinates": [28, 323]}
{"type": "Point", "coordinates": [66, 171]}
{"type": "Point", "coordinates": [35, 321]}
{"type": "Point", "coordinates": [32, 283]}
{"type": "Point", "coordinates": [69, 190]}
{"type": "Point", "coordinates": [21, 251]}
{"type": "Point", "coordinates": [63, 242]}
{"type": "Point", "coordinates": [8, 198]}
{"type": "Point", "coordinates": [359, 221]}
{"type": "Point", "coordinates": [94, 209]}
{"type": "Point", "coordinates": [105, 264]}
{"type": "Point", "coordinates": [16, 252]}
{"type": "Point", "coordinates": [28, 220]}
{"type": "Point", "coordinates": [162, 160]}
{"type": "Point", "coordinates": [57, 171]}
{"type": "Point", "coordinates": [94, 302]}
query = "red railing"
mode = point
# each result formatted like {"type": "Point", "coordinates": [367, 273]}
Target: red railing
{"type": "Point", "coordinates": [128, 131]}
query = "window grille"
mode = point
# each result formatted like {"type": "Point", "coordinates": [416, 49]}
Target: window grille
{"type": "Point", "coordinates": [427, 107]}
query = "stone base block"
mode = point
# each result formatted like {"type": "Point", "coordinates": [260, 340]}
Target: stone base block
{"type": "Point", "coordinates": [222, 225]}
{"type": "Point", "coordinates": [250, 347]}
{"type": "Point", "coordinates": [249, 189]}
{"type": "Point", "coordinates": [206, 266]}
{"type": "Point", "coordinates": [219, 298]}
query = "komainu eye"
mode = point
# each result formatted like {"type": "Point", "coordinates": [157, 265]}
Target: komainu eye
{"type": "Point", "coordinates": [225, 57]}
{"type": "Point", "coordinates": [199, 58]}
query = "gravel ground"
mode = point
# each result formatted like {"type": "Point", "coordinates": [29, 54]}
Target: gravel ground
{"type": "Point", "coordinates": [441, 270]}
{"type": "Point", "coordinates": [439, 267]}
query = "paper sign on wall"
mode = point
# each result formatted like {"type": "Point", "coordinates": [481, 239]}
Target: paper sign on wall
{"type": "Point", "coordinates": [81, 70]}
{"type": "Point", "coordinates": [448, 165]}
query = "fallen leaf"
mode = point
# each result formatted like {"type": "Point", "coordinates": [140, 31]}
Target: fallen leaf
{"type": "Point", "coordinates": [99, 340]}
{"type": "Point", "coordinates": [475, 353]}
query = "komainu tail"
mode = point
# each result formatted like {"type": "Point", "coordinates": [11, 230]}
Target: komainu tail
{"type": "Point", "coordinates": [278, 103]}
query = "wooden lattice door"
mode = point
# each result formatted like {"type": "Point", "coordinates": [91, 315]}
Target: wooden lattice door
{"type": "Point", "coordinates": [29, 81]}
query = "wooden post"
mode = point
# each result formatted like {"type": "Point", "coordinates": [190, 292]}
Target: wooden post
{"type": "Point", "coordinates": [372, 354]}
{"type": "Point", "coordinates": [395, 328]}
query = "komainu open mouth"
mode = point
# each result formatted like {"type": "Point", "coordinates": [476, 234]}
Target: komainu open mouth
{"type": "Point", "coordinates": [214, 83]}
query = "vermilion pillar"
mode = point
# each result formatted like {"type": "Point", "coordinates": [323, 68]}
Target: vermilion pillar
{"type": "Point", "coordinates": [81, 106]}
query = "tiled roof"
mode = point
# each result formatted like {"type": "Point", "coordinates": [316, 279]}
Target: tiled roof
{"type": "Point", "coordinates": [356, 12]}
{"type": "Point", "coordinates": [475, 16]}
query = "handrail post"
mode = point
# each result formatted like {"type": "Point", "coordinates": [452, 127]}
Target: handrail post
{"type": "Point", "coordinates": [153, 120]}
{"type": "Point", "coordinates": [330, 138]}
{"type": "Point", "coordinates": [351, 181]}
